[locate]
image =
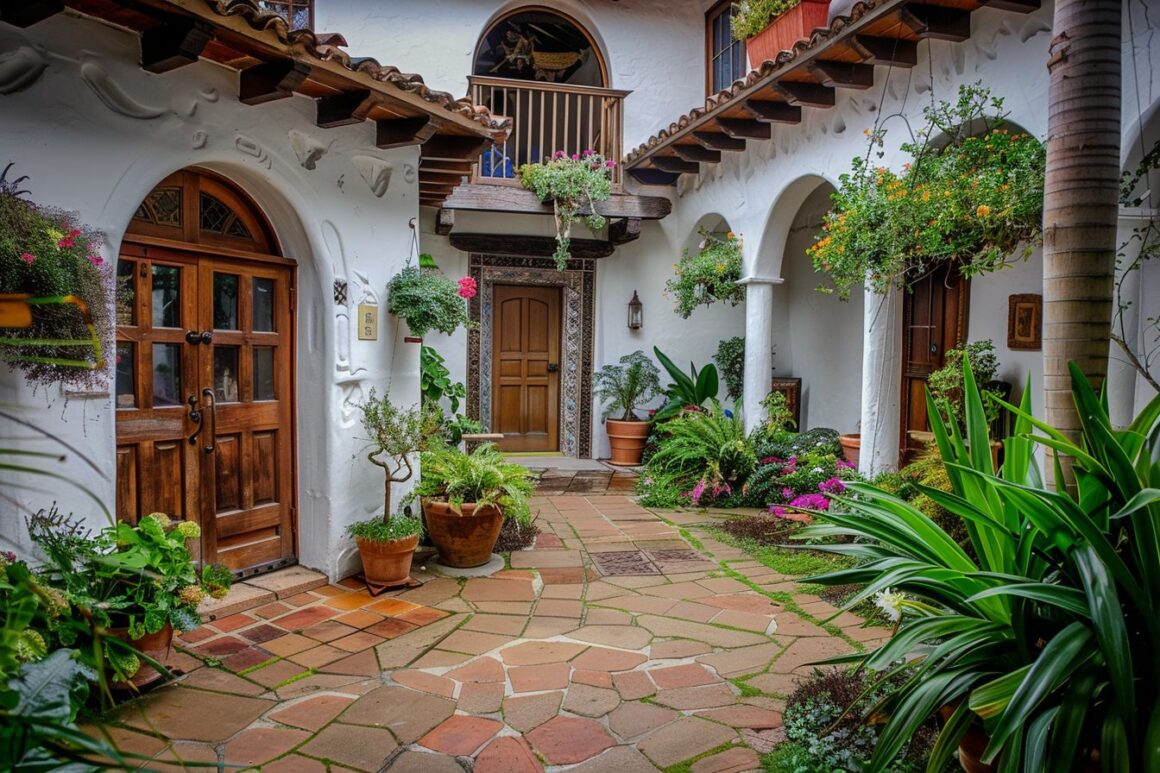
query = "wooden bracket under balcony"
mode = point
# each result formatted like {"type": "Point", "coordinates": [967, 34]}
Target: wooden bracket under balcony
{"type": "Point", "coordinates": [175, 44]}
{"type": "Point", "coordinates": [401, 132]}
{"type": "Point", "coordinates": [624, 231]}
{"type": "Point", "coordinates": [527, 246]}
{"type": "Point", "coordinates": [457, 148]}
{"type": "Point", "coordinates": [745, 128]}
{"type": "Point", "coordinates": [773, 111]}
{"type": "Point", "coordinates": [482, 197]}
{"type": "Point", "coordinates": [891, 52]}
{"type": "Point", "coordinates": [807, 94]}
{"type": "Point", "coordinates": [719, 141]}
{"type": "Point", "coordinates": [444, 221]}
{"type": "Point", "coordinates": [937, 22]}
{"type": "Point", "coordinates": [647, 176]}
{"type": "Point", "coordinates": [345, 109]}
{"type": "Point", "coordinates": [843, 74]}
{"type": "Point", "coordinates": [270, 81]}
{"type": "Point", "coordinates": [25, 13]}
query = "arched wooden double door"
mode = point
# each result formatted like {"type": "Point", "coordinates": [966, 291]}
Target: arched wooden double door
{"type": "Point", "coordinates": [205, 364]}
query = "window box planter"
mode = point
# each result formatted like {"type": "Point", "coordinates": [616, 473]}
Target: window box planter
{"type": "Point", "coordinates": [795, 24]}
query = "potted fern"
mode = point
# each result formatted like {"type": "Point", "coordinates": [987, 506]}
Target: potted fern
{"type": "Point", "coordinates": [387, 544]}
{"type": "Point", "coordinates": [623, 387]}
{"type": "Point", "coordinates": [771, 26]}
{"type": "Point", "coordinates": [467, 496]}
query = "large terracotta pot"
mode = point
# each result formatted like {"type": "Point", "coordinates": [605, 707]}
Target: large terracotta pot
{"type": "Point", "coordinates": [463, 541]}
{"type": "Point", "coordinates": [795, 24]}
{"type": "Point", "coordinates": [157, 646]}
{"type": "Point", "coordinates": [627, 439]}
{"type": "Point", "coordinates": [387, 563]}
{"type": "Point", "coordinates": [851, 447]}
{"type": "Point", "coordinates": [971, 749]}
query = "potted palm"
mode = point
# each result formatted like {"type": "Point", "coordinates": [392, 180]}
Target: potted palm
{"type": "Point", "coordinates": [771, 26]}
{"type": "Point", "coordinates": [467, 496]}
{"type": "Point", "coordinates": [387, 544]}
{"type": "Point", "coordinates": [623, 387]}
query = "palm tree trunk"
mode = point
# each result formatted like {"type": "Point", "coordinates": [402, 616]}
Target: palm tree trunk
{"type": "Point", "coordinates": [1081, 201]}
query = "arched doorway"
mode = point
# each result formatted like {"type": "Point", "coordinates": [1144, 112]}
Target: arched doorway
{"type": "Point", "coordinates": [205, 364]}
{"type": "Point", "coordinates": [539, 44]}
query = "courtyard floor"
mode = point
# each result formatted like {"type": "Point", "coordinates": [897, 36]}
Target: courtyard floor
{"type": "Point", "coordinates": [625, 641]}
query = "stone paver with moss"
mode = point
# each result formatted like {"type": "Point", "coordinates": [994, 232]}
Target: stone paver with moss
{"type": "Point", "coordinates": [548, 665]}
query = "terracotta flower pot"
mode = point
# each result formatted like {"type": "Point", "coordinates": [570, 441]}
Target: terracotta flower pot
{"type": "Point", "coordinates": [157, 646]}
{"type": "Point", "coordinates": [971, 749]}
{"type": "Point", "coordinates": [627, 439]}
{"type": "Point", "coordinates": [387, 563]}
{"type": "Point", "coordinates": [463, 541]}
{"type": "Point", "coordinates": [795, 24]}
{"type": "Point", "coordinates": [851, 447]}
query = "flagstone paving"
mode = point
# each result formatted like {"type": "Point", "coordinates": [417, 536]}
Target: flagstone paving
{"type": "Point", "coordinates": [550, 665]}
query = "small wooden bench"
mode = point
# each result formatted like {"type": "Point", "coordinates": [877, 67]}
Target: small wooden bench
{"type": "Point", "coordinates": [472, 439]}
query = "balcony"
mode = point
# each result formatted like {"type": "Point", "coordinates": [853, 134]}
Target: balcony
{"type": "Point", "coordinates": [547, 117]}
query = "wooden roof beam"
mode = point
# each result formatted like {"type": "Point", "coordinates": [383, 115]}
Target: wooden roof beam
{"type": "Point", "coordinates": [647, 176]}
{"type": "Point", "coordinates": [511, 198]}
{"type": "Point", "coordinates": [745, 128]}
{"type": "Point", "coordinates": [534, 246]}
{"type": "Point", "coordinates": [675, 165]}
{"type": "Point", "coordinates": [806, 94]}
{"type": "Point", "coordinates": [843, 74]}
{"type": "Point", "coordinates": [937, 22]}
{"type": "Point", "coordinates": [1018, 6]}
{"type": "Point", "coordinates": [624, 231]}
{"type": "Point", "coordinates": [444, 221]}
{"type": "Point", "coordinates": [25, 13]}
{"type": "Point", "coordinates": [269, 81]}
{"type": "Point", "coordinates": [719, 141]}
{"type": "Point", "coordinates": [891, 52]}
{"type": "Point", "coordinates": [174, 44]}
{"type": "Point", "coordinates": [773, 111]}
{"type": "Point", "coordinates": [453, 148]}
{"type": "Point", "coordinates": [346, 108]}
{"type": "Point", "coordinates": [401, 132]}
{"type": "Point", "coordinates": [697, 153]}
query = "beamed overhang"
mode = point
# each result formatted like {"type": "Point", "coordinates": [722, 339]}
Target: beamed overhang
{"type": "Point", "coordinates": [843, 55]}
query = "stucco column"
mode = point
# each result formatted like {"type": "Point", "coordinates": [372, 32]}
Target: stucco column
{"type": "Point", "coordinates": [758, 346]}
{"type": "Point", "coordinates": [881, 382]}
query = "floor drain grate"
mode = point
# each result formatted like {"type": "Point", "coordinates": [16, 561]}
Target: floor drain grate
{"type": "Point", "coordinates": [675, 555]}
{"type": "Point", "coordinates": [623, 562]}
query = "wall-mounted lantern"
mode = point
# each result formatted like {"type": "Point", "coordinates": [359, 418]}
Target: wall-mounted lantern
{"type": "Point", "coordinates": [635, 312]}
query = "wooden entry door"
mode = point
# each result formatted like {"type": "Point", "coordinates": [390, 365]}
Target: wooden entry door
{"type": "Point", "coordinates": [205, 399]}
{"type": "Point", "coordinates": [525, 367]}
{"type": "Point", "coordinates": [934, 319]}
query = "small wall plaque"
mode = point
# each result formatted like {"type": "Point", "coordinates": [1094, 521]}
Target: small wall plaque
{"type": "Point", "coordinates": [368, 322]}
{"type": "Point", "coordinates": [1025, 322]}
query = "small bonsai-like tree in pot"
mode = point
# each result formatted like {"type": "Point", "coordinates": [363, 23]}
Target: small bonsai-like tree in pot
{"type": "Point", "coordinates": [466, 497]}
{"type": "Point", "coordinates": [623, 387]}
{"type": "Point", "coordinates": [387, 544]}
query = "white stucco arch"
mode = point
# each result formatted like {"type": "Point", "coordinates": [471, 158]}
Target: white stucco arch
{"type": "Point", "coordinates": [765, 259]}
{"type": "Point", "coordinates": [567, 9]}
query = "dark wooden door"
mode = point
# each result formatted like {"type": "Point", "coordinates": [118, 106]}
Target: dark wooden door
{"type": "Point", "coordinates": [205, 400]}
{"type": "Point", "coordinates": [934, 319]}
{"type": "Point", "coordinates": [526, 367]}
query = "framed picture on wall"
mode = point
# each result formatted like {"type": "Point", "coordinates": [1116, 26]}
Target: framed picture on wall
{"type": "Point", "coordinates": [1025, 322]}
{"type": "Point", "coordinates": [792, 389]}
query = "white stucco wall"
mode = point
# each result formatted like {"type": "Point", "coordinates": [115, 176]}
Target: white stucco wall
{"type": "Point", "coordinates": [76, 140]}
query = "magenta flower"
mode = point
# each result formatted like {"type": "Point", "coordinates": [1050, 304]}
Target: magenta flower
{"type": "Point", "coordinates": [28, 257]}
{"type": "Point", "coordinates": [468, 288]}
{"type": "Point", "coordinates": [559, 154]}
{"type": "Point", "coordinates": [610, 164]}
{"type": "Point", "coordinates": [832, 486]}
{"type": "Point", "coordinates": [844, 465]}
{"type": "Point", "coordinates": [811, 502]}
{"type": "Point", "coordinates": [96, 260]}
{"type": "Point", "coordinates": [787, 493]}
{"type": "Point", "coordinates": [68, 242]}
{"type": "Point", "coordinates": [575, 156]}
{"type": "Point", "coordinates": [589, 152]}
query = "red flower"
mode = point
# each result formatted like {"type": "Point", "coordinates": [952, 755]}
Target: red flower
{"type": "Point", "coordinates": [28, 257]}
{"type": "Point", "coordinates": [468, 288]}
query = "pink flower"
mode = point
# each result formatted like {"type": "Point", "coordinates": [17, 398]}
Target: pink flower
{"type": "Point", "coordinates": [811, 502]}
{"type": "Point", "coordinates": [28, 257]}
{"type": "Point", "coordinates": [575, 156]}
{"type": "Point", "coordinates": [468, 287]}
{"type": "Point", "coordinates": [559, 154]}
{"type": "Point", "coordinates": [96, 260]}
{"type": "Point", "coordinates": [832, 486]}
{"type": "Point", "coordinates": [787, 493]}
{"type": "Point", "coordinates": [68, 242]}
{"type": "Point", "coordinates": [844, 465]}
{"type": "Point", "coordinates": [610, 164]}
{"type": "Point", "coordinates": [588, 153]}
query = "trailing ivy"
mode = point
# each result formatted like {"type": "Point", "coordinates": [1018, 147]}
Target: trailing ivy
{"type": "Point", "coordinates": [571, 183]}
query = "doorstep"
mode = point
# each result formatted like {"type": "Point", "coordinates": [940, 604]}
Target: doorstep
{"type": "Point", "coordinates": [261, 589]}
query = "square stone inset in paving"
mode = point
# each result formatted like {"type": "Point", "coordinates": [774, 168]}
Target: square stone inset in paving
{"type": "Point", "coordinates": [674, 555]}
{"type": "Point", "coordinates": [623, 562]}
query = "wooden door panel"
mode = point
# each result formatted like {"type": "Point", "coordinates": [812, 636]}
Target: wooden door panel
{"type": "Point", "coordinates": [525, 367]}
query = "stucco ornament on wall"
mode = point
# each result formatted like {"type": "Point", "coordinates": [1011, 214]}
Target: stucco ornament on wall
{"type": "Point", "coordinates": [251, 147]}
{"type": "Point", "coordinates": [375, 172]}
{"type": "Point", "coordinates": [116, 98]}
{"type": "Point", "coordinates": [20, 68]}
{"type": "Point", "coordinates": [308, 149]}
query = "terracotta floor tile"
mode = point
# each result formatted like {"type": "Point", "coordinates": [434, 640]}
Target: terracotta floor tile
{"type": "Point", "coordinates": [536, 652]}
{"type": "Point", "coordinates": [424, 682]}
{"type": "Point", "coordinates": [318, 656]}
{"type": "Point", "coordinates": [441, 659]}
{"type": "Point", "coordinates": [363, 663]}
{"type": "Point", "coordinates": [304, 618]}
{"type": "Point", "coordinates": [290, 644]}
{"type": "Point", "coordinates": [390, 627]}
{"type": "Point", "coordinates": [359, 618]}
{"type": "Point", "coordinates": [473, 642]}
{"type": "Point", "coordinates": [312, 713]}
{"type": "Point", "coordinates": [559, 608]}
{"type": "Point", "coordinates": [245, 659]}
{"type": "Point", "coordinates": [233, 622]}
{"type": "Point", "coordinates": [328, 630]}
{"type": "Point", "coordinates": [486, 669]}
{"type": "Point", "coordinates": [391, 607]}
{"type": "Point", "coordinates": [364, 748]}
{"type": "Point", "coordinates": [525, 712]}
{"type": "Point", "coordinates": [302, 599]}
{"type": "Point", "coordinates": [480, 697]}
{"type": "Point", "coordinates": [568, 740]}
{"type": "Point", "coordinates": [197, 634]}
{"type": "Point", "coordinates": [593, 678]}
{"type": "Point", "coordinates": [509, 625]}
{"type": "Point", "coordinates": [690, 675]}
{"type": "Point", "coordinates": [548, 676]}
{"type": "Point", "coordinates": [605, 659]}
{"type": "Point", "coordinates": [423, 615]}
{"type": "Point", "coordinates": [261, 744]}
{"type": "Point", "coordinates": [358, 641]}
{"type": "Point", "coordinates": [349, 601]}
{"type": "Point", "coordinates": [221, 647]}
{"type": "Point", "coordinates": [630, 720]}
{"type": "Point", "coordinates": [461, 736]}
{"type": "Point", "coordinates": [276, 673]}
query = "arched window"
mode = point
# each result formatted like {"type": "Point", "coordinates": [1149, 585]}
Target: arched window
{"type": "Point", "coordinates": [540, 45]}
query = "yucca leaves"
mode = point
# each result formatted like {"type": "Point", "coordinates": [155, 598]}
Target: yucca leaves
{"type": "Point", "coordinates": [1050, 641]}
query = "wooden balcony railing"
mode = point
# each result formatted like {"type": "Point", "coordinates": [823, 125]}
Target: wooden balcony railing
{"type": "Point", "coordinates": [547, 117]}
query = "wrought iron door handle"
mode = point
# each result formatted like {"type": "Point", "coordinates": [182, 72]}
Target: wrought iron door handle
{"type": "Point", "coordinates": [208, 394]}
{"type": "Point", "coordinates": [553, 367]}
{"type": "Point", "coordinates": [195, 417]}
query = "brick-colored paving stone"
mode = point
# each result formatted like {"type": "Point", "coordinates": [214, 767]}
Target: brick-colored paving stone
{"type": "Point", "coordinates": [535, 653]}
{"type": "Point", "coordinates": [507, 755]}
{"type": "Point", "coordinates": [735, 760]}
{"type": "Point", "coordinates": [361, 748]}
{"type": "Point", "coordinates": [259, 745]}
{"type": "Point", "coordinates": [566, 740]}
{"type": "Point", "coordinates": [525, 712]}
{"type": "Point", "coordinates": [634, 719]}
{"type": "Point", "coordinates": [691, 675]}
{"type": "Point", "coordinates": [589, 701]}
{"type": "Point", "coordinates": [683, 739]}
{"type": "Point", "coordinates": [312, 713]}
{"type": "Point", "coordinates": [461, 736]}
{"type": "Point", "coordinates": [547, 676]}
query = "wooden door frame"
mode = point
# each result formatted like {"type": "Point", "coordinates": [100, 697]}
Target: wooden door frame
{"type": "Point", "coordinates": [961, 320]}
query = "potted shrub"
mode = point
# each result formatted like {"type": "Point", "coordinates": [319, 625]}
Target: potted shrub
{"type": "Point", "coordinates": [771, 26]}
{"type": "Point", "coordinates": [387, 544]}
{"type": "Point", "coordinates": [622, 388]}
{"type": "Point", "coordinates": [427, 300]}
{"type": "Point", "coordinates": [709, 276]}
{"type": "Point", "coordinates": [54, 293]}
{"type": "Point", "coordinates": [138, 582]}
{"type": "Point", "coordinates": [465, 498]}
{"type": "Point", "coordinates": [946, 386]}
{"type": "Point", "coordinates": [695, 389]}
{"type": "Point", "coordinates": [571, 183]}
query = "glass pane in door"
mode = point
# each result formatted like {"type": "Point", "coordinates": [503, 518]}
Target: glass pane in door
{"type": "Point", "coordinates": [166, 374]}
{"type": "Point", "coordinates": [126, 375]}
{"type": "Point", "coordinates": [166, 296]}
{"type": "Point", "coordinates": [225, 301]}
{"type": "Point", "coordinates": [225, 374]}
{"type": "Point", "coordinates": [263, 305]}
{"type": "Point", "coordinates": [264, 373]}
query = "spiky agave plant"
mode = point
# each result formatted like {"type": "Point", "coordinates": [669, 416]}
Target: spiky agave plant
{"type": "Point", "coordinates": [1048, 642]}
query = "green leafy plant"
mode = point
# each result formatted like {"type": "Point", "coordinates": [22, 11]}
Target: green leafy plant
{"type": "Point", "coordinates": [967, 196]}
{"type": "Point", "coordinates": [55, 264]}
{"type": "Point", "coordinates": [730, 359]}
{"type": "Point", "coordinates": [572, 183]}
{"type": "Point", "coordinates": [708, 276]}
{"type": "Point", "coordinates": [778, 416]}
{"type": "Point", "coordinates": [1048, 642]}
{"type": "Point", "coordinates": [706, 453]}
{"type": "Point", "coordinates": [435, 385]}
{"type": "Point", "coordinates": [378, 530]}
{"type": "Point", "coordinates": [426, 300]}
{"type": "Point", "coordinates": [1141, 246]}
{"type": "Point", "coordinates": [687, 390]}
{"type": "Point", "coordinates": [481, 477]}
{"type": "Point", "coordinates": [396, 434]}
{"type": "Point", "coordinates": [752, 16]}
{"type": "Point", "coordinates": [622, 387]}
{"type": "Point", "coordinates": [946, 383]}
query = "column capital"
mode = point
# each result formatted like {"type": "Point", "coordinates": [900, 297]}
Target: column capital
{"type": "Point", "coordinates": [761, 280]}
